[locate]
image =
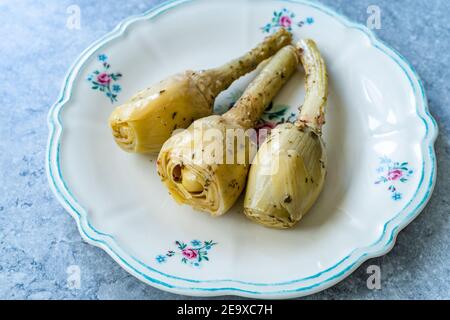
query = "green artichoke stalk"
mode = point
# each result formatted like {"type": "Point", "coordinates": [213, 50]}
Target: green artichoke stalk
{"type": "Point", "coordinates": [206, 173]}
{"type": "Point", "coordinates": [288, 173]}
{"type": "Point", "coordinates": [148, 119]}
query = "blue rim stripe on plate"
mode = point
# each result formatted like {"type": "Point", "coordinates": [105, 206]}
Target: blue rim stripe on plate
{"type": "Point", "coordinates": [69, 202]}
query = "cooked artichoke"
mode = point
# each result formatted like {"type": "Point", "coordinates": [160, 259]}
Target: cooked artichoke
{"type": "Point", "coordinates": [286, 177]}
{"type": "Point", "coordinates": [191, 173]}
{"type": "Point", "coordinates": [289, 170]}
{"type": "Point", "coordinates": [145, 122]}
{"type": "Point", "coordinates": [202, 166]}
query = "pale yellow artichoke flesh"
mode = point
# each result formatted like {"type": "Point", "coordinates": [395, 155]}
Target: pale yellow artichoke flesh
{"type": "Point", "coordinates": [289, 170]}
{"type": "Point", "coordinates": [191, 166]}
{"type": "Point", "coordinates": [312, 112]}
{"type": "Point", "coordinates": [286, 177]}
{"type": "Point", "coordinates": [209, 173]}
{"type": "Point", "coordinates": [145, 122]}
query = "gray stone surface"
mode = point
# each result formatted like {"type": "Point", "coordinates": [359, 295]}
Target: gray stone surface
{"type": "Point", "coordinates": [39, 240]}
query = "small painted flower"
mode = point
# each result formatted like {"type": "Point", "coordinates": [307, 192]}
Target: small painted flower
{"type": "Point", "coordinates": [395, 174]}
{"type": "Point", "coordinates": [116, 88]}
{"type": "Point", "coordinates": [104, 78]}
{"type": "Point", "coordinates": [284, 18]}
{"type": "Point", "coordinates": [196, 243]}
{"type": "Point", "coordinates": [191, 256]}
{"type": "Point", "coordinates": [160, 259]}
{"type": "Point", "coordinates": [189, 253]}
{"type": "Point", "coordinates": [397, 196]}
{"type": "Point", "coordinates": [285, 21]}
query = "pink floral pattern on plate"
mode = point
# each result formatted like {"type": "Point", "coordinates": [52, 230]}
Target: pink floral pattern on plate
{"type": "Point", "coordinates": [104, 80]}
{"type": "Point", "coordinates": [393, 174]}
{"type": "Point", "coordinates": [192, 254]}
{"type": "Point", "coordinates": [284, 18]}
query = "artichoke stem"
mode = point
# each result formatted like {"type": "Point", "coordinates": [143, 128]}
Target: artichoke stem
{"type": "Point", "coordinates": [213, 81]}
{"type": "Point", "coordinates": [249, 108]}
{"type": "Point", "coordinates": [148, 119]}
{"type": "Point", "coordinates": [312, 112]}
{"type": "Point", "coordinates": [290, 170]}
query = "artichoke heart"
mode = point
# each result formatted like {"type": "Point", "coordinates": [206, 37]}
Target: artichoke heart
{"type": "Point", "coordinates": [286, 177]}
{"type": "Point", "coordinates": [144, 123]}
{"type": "Point", "coordinates": [191, 165]}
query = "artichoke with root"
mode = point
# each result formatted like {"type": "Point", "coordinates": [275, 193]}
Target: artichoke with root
{"type": "Point", "coordinates": [206, 165]}
{"type": "Point", "coordinates": [148, 119]}
{"type": "Point", "coordinates": [289, 170]}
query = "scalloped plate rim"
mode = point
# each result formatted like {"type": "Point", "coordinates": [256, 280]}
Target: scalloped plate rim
{"type": "Point", "coordinates": [69, 202]}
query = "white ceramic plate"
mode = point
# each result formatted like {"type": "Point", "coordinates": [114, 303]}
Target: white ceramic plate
{"type": "Point", "coordinates": [379, 137]}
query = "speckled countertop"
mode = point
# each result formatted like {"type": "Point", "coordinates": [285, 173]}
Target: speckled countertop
{"type": "Point", "coordinates": [39, 240]}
